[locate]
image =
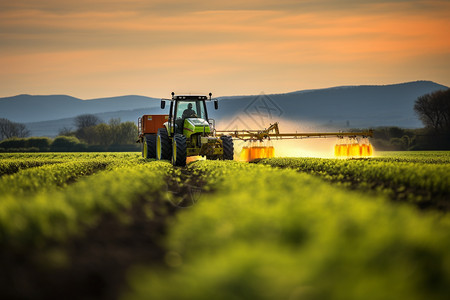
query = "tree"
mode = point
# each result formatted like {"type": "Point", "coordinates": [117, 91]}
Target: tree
{"type": "Point", "coordinates": [128, 133]}
{"type": "Point", "coordinates": [434, 110]}
{"type": "Point", "coordinates": [66, 131]}
{"type": "Point", "coordinates": [86, 120]}
{"type": "Point", "coordinates": [122, 133]}
{"type": "Point", "coordinates": [86, 127]}
{"type": "Point", "coordinates": [10, 129]}
{"type": "Point", "coordinates": [103, 134]}
{"type": "Point", "coordinates": [114, 130]}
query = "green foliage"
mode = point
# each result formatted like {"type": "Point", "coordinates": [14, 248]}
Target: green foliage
{"type": "Point", "coordinates": [14, 143]}
{"type": "Point", "coordinates": [412, 181]}
{"type": "Point", "coordinates": [33, 213]}
{"type": "Point", "coordinates": [422, 157]}
{"type": "Point", "coordinates": [10, 166]}
{"type": "Point", "coordinates": [270, 233]}
{"type": "Point", "coordinates": [26, 144]}
{"type": "Point", "coordinates": [400, 139]}
{"type": "Point", "coordinates": [256, 232]}
{"type": "Point", "coordinates": [394, 138]}
{"type": "Point", "coordinates": [123, 156]}
{"type": "Point", "coordinates": [48, 176]}
{"type": "Point", "coordinates": [67, 143]}
{"type": "Point", "coordinates": [42, 143]}
{"type": "Point", "coordinates": [122, 139]}
{"type": "Point", "coordinates": [104, 135]}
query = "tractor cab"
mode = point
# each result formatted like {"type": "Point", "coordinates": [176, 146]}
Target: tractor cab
{"type": "Point", "coordinates": [188, 115]}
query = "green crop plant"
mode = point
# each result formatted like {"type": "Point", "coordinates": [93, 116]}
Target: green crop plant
{"type": "Point", "coordinates": [413, 181]}
{"type": "Point", "coordinates": [429, 157]}
{"type": "Point", "coordinates": [270, 233]}
{"type": "Point", "coordinates": [10, 166]}
{"type": "Point", "coordinates": [39, 217]}
{"type": "Point", "coordinates": [48, 176]}
{"type": "Point", "coordinates": [277, 228]}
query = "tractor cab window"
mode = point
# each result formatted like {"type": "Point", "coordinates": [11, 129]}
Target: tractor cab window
{"type": "Point", "coordinates": [190, 109]}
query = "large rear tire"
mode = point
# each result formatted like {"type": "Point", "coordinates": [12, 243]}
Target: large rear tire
{"type": "Point", "coordinates": [179, 150]}
{"type": "Point", "coordinates": [163, 145]}
{"type": "Point", "coordinates": [149, 146]}
{"type": "Point", "coordinates": [228, 147]}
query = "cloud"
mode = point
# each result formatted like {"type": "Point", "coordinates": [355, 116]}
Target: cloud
{"type": "Point", "coordinates": [253, 46]}
{"type": "Point", "coordinates": [184, 6]}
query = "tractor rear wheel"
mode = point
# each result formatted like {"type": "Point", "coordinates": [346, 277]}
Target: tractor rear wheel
{"type": "Point", "coordinates": [179, 150]}
{"type": "Point", "coordinates": [228, 147]}
{"type": "Point", "coordinates": [163, 145]}
{"type": "Point", "coordinates": [149, 146]}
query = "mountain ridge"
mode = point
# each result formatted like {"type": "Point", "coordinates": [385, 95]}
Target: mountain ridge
{"type": "Point", "coordinates": [338, 107]}
{"type": "Point", "coordinates": [22, 108]}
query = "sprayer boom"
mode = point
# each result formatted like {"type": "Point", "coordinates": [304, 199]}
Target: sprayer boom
{"type": "Point", "coordinates": [351, 144]}
{"type": "Point", "coordinates": [273, 132]}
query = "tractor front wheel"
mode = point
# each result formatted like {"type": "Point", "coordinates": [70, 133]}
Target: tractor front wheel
{"type": "Point", "coordinates": [228, 147]}
{"type": "Point", "coordinates": [163, 145]}
{"type": "Point", "coordinates": [179, 150]}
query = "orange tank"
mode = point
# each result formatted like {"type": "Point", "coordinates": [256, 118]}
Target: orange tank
{"type": "Point", "coordinates": [270, 152]}
{"type": "Point", "coordinates": [151, 123]}
{"type": "Point", "coordinates": [354, 150]}
{"type": "Point", "coordinates": [244, 154]}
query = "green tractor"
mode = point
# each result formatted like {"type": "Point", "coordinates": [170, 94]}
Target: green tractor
{"type": "Point", "coordinates": [185, 131]}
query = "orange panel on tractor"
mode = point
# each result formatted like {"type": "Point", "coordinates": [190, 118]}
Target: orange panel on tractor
{"type": "Point", "coordinates": [151, 123]}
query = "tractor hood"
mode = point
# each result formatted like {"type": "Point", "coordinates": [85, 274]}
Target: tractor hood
{"type": "Point", "coordinates": [194, 125]}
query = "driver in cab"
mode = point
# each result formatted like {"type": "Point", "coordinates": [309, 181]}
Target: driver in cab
{"type": "Point", "coordinates": [189, 112]}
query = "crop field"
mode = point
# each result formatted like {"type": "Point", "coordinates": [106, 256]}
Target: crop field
{"type": "Point", "coordinates": [116, 226]}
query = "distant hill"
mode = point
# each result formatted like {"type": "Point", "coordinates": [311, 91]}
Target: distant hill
{"type": "Point", "coordinates": [333, 108]}
{"type": "Point", "coordinates": [28, 108]}
{"type": "Point", "coordinates": [347, 106]}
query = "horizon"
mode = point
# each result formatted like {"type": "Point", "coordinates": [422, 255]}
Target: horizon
{"type": "Point", "coordinates": [224, 96]}
{"type": "Point", "coordinates": [97, 50]}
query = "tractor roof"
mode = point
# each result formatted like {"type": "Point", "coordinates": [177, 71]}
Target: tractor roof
{"type": "Point", "coordinates": [189, 97]}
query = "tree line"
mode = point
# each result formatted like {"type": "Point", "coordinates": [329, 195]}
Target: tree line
{"type": "Point", "coordinates": [91, 134]}
{"type": "Point", "coordinates": [93, 131]}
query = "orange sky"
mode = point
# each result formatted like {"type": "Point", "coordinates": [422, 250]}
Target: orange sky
{"type": "Point", "coordinates": [118, 47]}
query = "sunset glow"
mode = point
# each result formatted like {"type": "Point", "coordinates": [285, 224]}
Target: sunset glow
{"type": "Point", "coordinates": [154, 47]}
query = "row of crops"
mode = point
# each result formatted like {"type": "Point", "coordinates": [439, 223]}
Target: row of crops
{"type": "Point", "coordinates": [40, 204]}
{"type": "Point", "coordinates": [279, 228]}
{"type": "Point", "coordinates": [51, 200]}
{"type": "Point", "coordinates": [268, 233]}
{"type": "Point", "coordinates": [419, 179]}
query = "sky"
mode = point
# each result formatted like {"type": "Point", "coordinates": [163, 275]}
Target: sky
{"type": "Point", "coordinates": [92, 49]}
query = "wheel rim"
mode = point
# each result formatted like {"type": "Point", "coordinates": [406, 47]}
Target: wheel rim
{"type": "Point", "coordinates": [174, 151]}
{"type": "Point", "coordinates": [158, 147]}
{"type": "Point", "coordinates": [144, 154]}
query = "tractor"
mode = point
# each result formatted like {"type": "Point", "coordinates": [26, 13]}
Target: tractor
{"type": "Point", "coordinates": [186, 131]}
